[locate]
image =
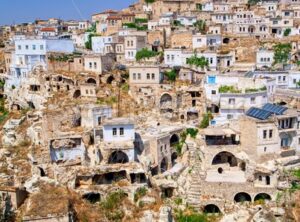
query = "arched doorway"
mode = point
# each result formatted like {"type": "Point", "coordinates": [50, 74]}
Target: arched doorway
{"type": "Point", "coordinates": [242, 197]}
{"type": "Point", "coordinates": [166, 101]}
{"type": "Point", "coordinates": [76, 94]}
{"type": "Point", "coordinates": [262, 196]}
{"type": "Point", "coordinates": [174, 140]}
{"type": "Point", "coordinates": [118, 157]}
{"type": "Point", "coordinates": [211, 209]}
{"type": "Point", "coordinates": [225, 157]}
{"type": "Point", "coordinates": [91, 81]}
{"type": "Point", "coordinates": [215, 108]}
{"type": "Point", "coordinates": [164, 165]}
{"type": "Point", "coordinates": [226, 40]}
{"type": "Point", "coordinates": [110, 79]}
{"type": "Point", "coordinates": [174, 158]}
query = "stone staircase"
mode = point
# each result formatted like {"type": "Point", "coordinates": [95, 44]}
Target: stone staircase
{"type": "Point", "coordinates": [194, 192]}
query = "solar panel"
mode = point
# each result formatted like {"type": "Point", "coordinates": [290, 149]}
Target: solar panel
{"type": "Point", "coordinates": [278, 110]}
{"type": "Point", "coordinates": [258, 113]}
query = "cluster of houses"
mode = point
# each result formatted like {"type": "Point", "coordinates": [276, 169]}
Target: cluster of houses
{"type": "Point", "coordinates": [192, 96]}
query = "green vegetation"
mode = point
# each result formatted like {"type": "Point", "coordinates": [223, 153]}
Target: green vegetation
{"type": "Point", "coordinates": [3, 111]}
{"type": "Point", "coordinates": [176, 23]}
{"type": "Point", "coordinates": [287, 32]}
{"type": "Point", "coordinates": [145, 54]}
{"type": "Point", "coordinates": [141, 20]}
{"type": "Point", "coordinates": [249, 90]}
{"type": "Point", "coordinates": [282, 52]}
{"type": "Point", "coordinates": [190, 217]}
{"type": "Point", "coordinates": [253, 2]}
{"type": "Point", "coordinates": [149, 1]}
{"type": "Point", "coordinates": [125, 87]}
{"type": "Point", "coordinates": [189, 131]}
{"type": "Point", "coordinates": [199, 6]}
{"type": "Point", "coordinates": [205, 121]}
{"type": "Point", "coordinates": [2, 83]}
{"type": "Point", "coordinates": [171, 75]}
{"type": "Point", "coordinates": [136, 26]}
{"type": "Point", "coordinates": [107, 101]}
{"type": "Point", "coordinates": [229, 89]}
{"type": "Point", "coordinates": [88, 43]}
{"type": "Point", "coordinates": [200, 25]}
{"type": "Point", "coordinates": [178, 201]}
{"type": "Point", "coordinates": [111, 206]}
{"type": "Point", "coordinates": [141, 192]}
{"type": "Point", "coordinates": [198, 62]}
{"type": "Point", "coordinates": [92, 29]}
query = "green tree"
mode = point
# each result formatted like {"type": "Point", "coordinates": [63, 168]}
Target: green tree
{"type": "Point", "coordinates": [253, 2]}
{"type": "Point", "coordinates": [88, 43]}
{"type": "Point", "coordinates": [149, 1]}
{"type": "Point", "coordinates": [145, 54]}
{"type": "Point", "coordinates": [197, 61]}
{"type": "Point", "coordinates": [282, 52]}
{"type": "Point", "coordinates": [171, 75]}
{"type": "Point", "coordinates": [205, 121]}
{"type": "Point", "coordinates": [200, 25]}
{"type": "Point", "coordinates": [287, 32]}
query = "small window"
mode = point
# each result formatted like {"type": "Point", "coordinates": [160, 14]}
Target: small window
{"type": "Point", "coordinates": [153, 76]}
{"type": "Point", "coordinates": [114, 132]}
{"type": "Point", "coordinates": [19, 47]}
{"type": "Point", "coordinates": [260, 178]}
{"type": "Point", "coordinates": [213, 92]}
{"type": "Point", "coordinates": [252, 100]}
{"type": "Point", "coordinates": [265, 149]}
{"type": "Point", "coordinates": [148, 75]}
{"type": "Point", "coordinates": [265, 134]}
{"type": "Point", "coordinates": [121, 131]}
{"type": "Point", "coordinates": [26, 47]}
{"type": "Point", "coordinates": [139, 75]}
{"type": "Point", "coordinates": [33, 47]}
{"type": "Point", "coordinates": [231, 101]}
{"type": "Point", "coordinates": [134, 76]}
{"type": "Point", "coordinates": [270, 133]}
{"type": "Point", "coordinates": [41, 47]}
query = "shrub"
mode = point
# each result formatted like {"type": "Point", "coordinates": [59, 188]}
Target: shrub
{"type": "Point", "coordinates": [205, 121]}
{"type": "Point", "coordinates": [141, 192]}
{"type": "Point", "coordinates": [228, 89]}
{"type": "Point", "coordinates": [171, 75]}
{"type": "Point", "coordinates": [111, 206]}
{"type": "Point", "coordinates": [190, 217]}
{"type": "Point", "coordinates": [282, 52]}
{"type": "Point", "coordinates": [287, 32]}
{"type": "Point", "coordinates": [145, 54]}
{"type": "Point", "coordinates": [192, 132]}
{"type": "Point", "coordinates": [197, 61]}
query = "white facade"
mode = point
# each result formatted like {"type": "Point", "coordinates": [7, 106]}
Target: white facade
{"type": "Point", "coordinates": [99, 43]}
{"type": "Point", "coordinates": [30, 53]}
{"type": "Point", "coordinates": [118, 130]}
{"type": "Point", "coordinates": [187, 20]}
{"type": "Point", "coordinates": [264, 58]}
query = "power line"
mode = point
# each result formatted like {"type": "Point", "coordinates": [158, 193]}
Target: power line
{"type": "Point", "coordinates": [77, 9]}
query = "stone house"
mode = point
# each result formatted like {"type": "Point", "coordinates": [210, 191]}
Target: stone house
{"type": "Point", "coordinates": [145, 75]}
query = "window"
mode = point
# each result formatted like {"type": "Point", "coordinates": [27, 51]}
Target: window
{"type": "Point", "coordinates": [270, 133]}
{"type": "Point", "coordinates": [41, 47]}
{"type": "Point", "coordinates": [139, 75]}
{"type": "Point", "coordinates": [19, 47]}
{"type": "Point", "coordinates": [153, 76]}
{"type": "Point", "coordinates": [95, 65]}
{"type": "Point", "coordinates": [231, 101]}
{"type": "Point", "coordinates": [213, 92]}
{"type": "Point", "coordinates": [34, 47]}
{"type": "Point", "coordinates": [252, 100]}
{"type": "Point", "coordinates": [121, 131]}
{"type": "Point", "coordinates": [114, 132]}
{"type": "Point", "coordinates": [91, 65]}
{"type": "Point", "coordinates": [260, 178]}
{"type": "Point", "coordinates": [265, 134]}
{"type": "Point", "coordinates": [283, 78]}
{"type": "Point", "coordinates": [26, 47]}
{"type": "Point", "coordinates": [99, 120]}
{"type": "Point", "coordinates": [229, 116]}
{"type": "Point", "coordinates": [134, 75]}
{"type": "Point", "coordinates": [148, 75]}
{"type": "Point", "coordinates": [211, 80]}
{"type": "Point", "coordinates": [265, 149]}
